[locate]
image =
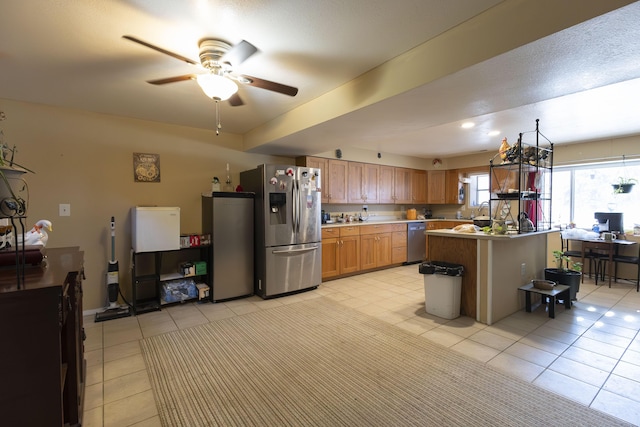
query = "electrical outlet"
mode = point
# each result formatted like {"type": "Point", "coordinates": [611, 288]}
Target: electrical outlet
{"type": "Point", "coordinates": [523, 269]}
{"type": "Point", "coordinates": [65, 209]}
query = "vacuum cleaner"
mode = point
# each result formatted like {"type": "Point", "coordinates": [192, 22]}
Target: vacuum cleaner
{"type": "Point", "coordinates": [113, 311]}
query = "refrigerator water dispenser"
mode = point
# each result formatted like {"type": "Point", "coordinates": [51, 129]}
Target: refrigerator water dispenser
{"type": "Point", "coordinates": [278, 208]}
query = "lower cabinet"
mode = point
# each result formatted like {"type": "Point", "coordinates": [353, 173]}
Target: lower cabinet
{"type": "Point", "coordinates": [398, 243]}
{"type": "Point", "coordinates": [375, 246]}
{"type": "Point", "coordinates": [340, 251]}
{"type": "Point", "coordinates": [349, 249]}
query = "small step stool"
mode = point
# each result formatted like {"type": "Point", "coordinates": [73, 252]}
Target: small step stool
{"type": "Point", "coordinates": [558, 292]}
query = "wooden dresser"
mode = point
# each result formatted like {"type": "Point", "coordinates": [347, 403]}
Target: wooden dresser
{"type": "Point", "coordinates": [42, 367]}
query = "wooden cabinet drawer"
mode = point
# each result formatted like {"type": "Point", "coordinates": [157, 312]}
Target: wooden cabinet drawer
{"type": "Point", "coordinates": [374, 229]}
{"type": "Point", "coordinates": [350, 231]}
{"type": "Point", "coordinates": [328, 233]}
{"type": "Point", "coordinates": [398, 227]}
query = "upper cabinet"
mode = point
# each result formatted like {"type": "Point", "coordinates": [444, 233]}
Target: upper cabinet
{"type": "Point", "coordinates": [337, 181]}
{"type": "Point", "coordinates": [362, 182]}
{"type": "Point", "coordinates": [419, 186]}
{"type": "Point", "coordinates": [395, 185]}
{"type": "Point", "coordinates": [402, 185]}
{"type": "Point", "coordinates": [386, 187]}
{"type": "Point", "coordinates": [445, 187]}
{"type": "Point", "coordinates": [322, 164]}
{"type": "Point", "coordinates": [454, 188]}
{"type": "Point", "coordinates": [436, 187]}
{"type": "Point", "coordinates": [333, 175]}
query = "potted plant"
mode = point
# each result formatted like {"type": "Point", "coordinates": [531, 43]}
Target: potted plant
{"type": "Point", "coordinates": [624, 185]}
{"type": "Point", "coordinates": [13, 188]}
{"type": "Point", "coordinates": [564, 275]}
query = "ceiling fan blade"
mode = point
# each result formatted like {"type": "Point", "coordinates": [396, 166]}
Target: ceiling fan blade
{"type": "Point", "coordinates": [268, 85]}
{"type": "Point", "coordinates": [161, 50]}
{"type": "Point", "coordinates": [235, 100]}
{"type": "Point", "coordinates": [173, 79]}
{"type": "Point", "coordinates": [239, 53]}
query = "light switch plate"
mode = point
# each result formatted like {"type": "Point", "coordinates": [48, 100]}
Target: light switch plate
{"type": "Point", "coordinates": [65, 209]}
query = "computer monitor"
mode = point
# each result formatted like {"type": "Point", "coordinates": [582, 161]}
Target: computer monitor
{"type": "Point", "coordinates": [614, 218]}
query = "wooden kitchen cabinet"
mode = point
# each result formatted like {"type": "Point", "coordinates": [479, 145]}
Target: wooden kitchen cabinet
{"type": "Point", "coordinates": [402, 185]}
{"type": "Point", "coordinates": [375, 246]}
{"type": "Point", "coordinates": [419, 186]}
{"type": "Point", "coordinates": [398, 243]}
{"type": "Point", "coordinates": [322, 164]}
{"type": "Point", "coordinates": [386, 189]}
{"type": "Point", "coordinates": [337, 181]}
{"type": "Point", "coordinates": [349, 249]}
{"type": "Point", "coordinates": [362, 182]}
{"type": "Point", "coordinates": [333, 176]}
{"type": "Point", "coordinates": [436, 187]}
{"type": "Point", "coordinates": [340, 251]}
{"type": "Point", "coordinates": [454, 189]}
{"type": "Point", "coordinates": [330, 252]}
{"type": "Point", "coordinates": [395, 185]}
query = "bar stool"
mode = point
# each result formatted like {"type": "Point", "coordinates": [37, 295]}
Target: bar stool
{"type": "Point", "coordinates": [626, 259]}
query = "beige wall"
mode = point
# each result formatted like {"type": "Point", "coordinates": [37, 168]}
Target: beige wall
{"type": "Point", "coordinates": [85, 159]}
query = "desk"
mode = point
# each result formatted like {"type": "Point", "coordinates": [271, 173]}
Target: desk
{"type": "Point", "coordinates": [609, 250]}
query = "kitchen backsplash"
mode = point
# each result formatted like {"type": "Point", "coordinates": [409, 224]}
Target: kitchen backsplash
{"type": "Point", "coordinates": [394, 212]}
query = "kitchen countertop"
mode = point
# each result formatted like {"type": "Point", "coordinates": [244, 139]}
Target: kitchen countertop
{"type": "Point", "coordinates": [391, 221]}
{"type": "Point", "coordinates": [483, 236]}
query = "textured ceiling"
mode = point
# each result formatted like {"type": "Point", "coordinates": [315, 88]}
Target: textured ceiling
{"type": "Point", "coordinates": [397, 77]}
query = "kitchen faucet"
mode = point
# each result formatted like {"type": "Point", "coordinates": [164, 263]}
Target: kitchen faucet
{"type": "Point", "coordinates": [484, 204]}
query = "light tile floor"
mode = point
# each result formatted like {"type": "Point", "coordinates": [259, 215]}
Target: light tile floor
{"type": "Point", "coordinates": [590, 354]}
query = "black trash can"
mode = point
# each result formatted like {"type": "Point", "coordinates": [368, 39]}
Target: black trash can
{"type": "Point", "coordinates": [442, 288]}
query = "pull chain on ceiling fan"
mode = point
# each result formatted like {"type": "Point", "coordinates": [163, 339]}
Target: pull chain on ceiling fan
{"type": "Point", "coordinates": [219, 83]}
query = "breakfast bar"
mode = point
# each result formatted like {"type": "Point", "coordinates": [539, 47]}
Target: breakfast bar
{"type": "Point", "coordinates": [495, 266]}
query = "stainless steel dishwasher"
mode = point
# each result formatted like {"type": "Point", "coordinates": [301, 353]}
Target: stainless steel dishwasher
{"type": "Point", "coordinates": [416, 242]}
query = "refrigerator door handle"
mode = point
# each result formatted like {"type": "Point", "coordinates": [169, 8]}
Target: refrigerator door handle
{"type": "Point", "coordinates": [296, 207]}
{"type": "Point", "coordinates": [295, 250]}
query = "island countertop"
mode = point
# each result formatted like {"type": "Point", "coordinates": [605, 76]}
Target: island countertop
{"type": "Point", "coordinates": [484, 236]}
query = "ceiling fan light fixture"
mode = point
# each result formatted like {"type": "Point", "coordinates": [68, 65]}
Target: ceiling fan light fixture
{"type": "Point", "coordinates": [216, 87]}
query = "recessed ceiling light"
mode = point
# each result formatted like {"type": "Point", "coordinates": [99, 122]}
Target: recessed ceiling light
{"type": "Point", "coordinates": [494, 133]}
{"type": "Point", "coordinates": [468, 125]}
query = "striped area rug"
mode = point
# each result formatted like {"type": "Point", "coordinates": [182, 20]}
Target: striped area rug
{"type": "Point", "coordinates": [318, 363]}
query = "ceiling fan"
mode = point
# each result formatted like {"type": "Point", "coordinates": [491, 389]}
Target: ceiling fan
{"type": "Point", "coordinates": [219, 58]}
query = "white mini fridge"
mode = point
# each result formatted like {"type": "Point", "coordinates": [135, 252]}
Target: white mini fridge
{"type": "Point", "coordinates": [155, 229]}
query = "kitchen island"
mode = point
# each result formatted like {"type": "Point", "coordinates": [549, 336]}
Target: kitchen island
{"type": "Point", "coordinates": [495, 266]}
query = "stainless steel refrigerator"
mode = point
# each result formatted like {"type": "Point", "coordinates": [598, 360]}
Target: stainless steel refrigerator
{"type": "Point", "coordinates": [228, 217]}
{"type": "Point", "coordinates": [287, 228]}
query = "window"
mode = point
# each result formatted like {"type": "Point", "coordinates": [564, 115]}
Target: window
{"type": "Point", "coordinates": [478, 189]}
{"type": "Point", "coordinates": [580, 191]}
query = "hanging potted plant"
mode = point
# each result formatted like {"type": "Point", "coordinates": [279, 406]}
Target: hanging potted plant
{"type": "Point", "coordinates": [624, 185]}
{"type": "Point", "coordinates": [564, 275]}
